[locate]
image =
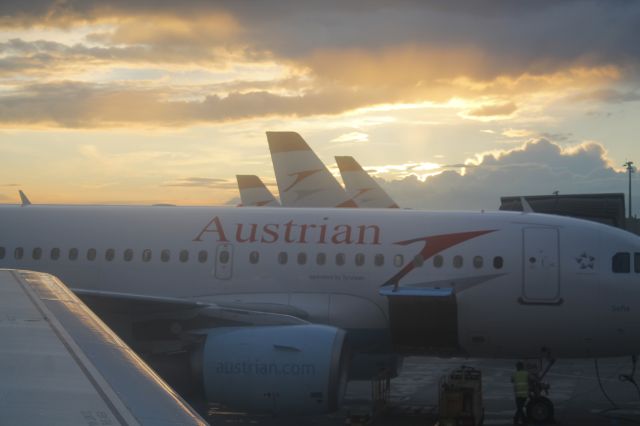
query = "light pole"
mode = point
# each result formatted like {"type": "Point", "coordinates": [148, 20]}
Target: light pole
{"type": "Point", "coordinates": [630, 169]}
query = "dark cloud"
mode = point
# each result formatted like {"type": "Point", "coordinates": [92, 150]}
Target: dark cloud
{"type": "Point", "coordinates": [20, 57]}
{"type": "Point", "coordinates": [352, 54]}
{"type": "Point", "coordinates": [540, 167]}
{"type": "Point", "coordinates": [506, 108]}
{"type": "Point", "coordinates": [611, 96]}
{"type": "Point", "coordinates": [72, 104]}
{"type": "Point", "coordinates": [513, 37]}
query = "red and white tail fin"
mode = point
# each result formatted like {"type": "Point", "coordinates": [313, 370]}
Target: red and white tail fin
{"type": "Point", "coordinates": [361, 187]}
{"type": "Point", "coordinates": [253, 192]}
{"type": "Point", "coordinates": [303, 180]}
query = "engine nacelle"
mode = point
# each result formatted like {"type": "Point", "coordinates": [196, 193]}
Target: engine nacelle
{"type": "Point", "coordinates": [300, 369]}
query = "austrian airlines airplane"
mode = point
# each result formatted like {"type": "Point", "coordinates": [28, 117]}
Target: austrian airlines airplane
{"type": "Point", "coordinates": [271, 303]}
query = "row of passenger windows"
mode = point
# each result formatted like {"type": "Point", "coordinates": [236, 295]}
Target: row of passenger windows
{"type": "Point", "coordinates": [109, 254]}
{"type": "Point", "coordinates": [360, 259]}
{"type": "Point", "coordinates": [621, 263]}
{"type": "Point", "coordinates": [340, 259]}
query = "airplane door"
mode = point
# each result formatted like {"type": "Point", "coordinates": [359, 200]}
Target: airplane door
{"type": "Point", "coordinates": [541, 267]}
{"type": "Point", "coordinates": [224, 261]}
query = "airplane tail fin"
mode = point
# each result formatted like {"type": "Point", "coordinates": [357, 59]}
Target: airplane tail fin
{"type": "Point", "coordinates": [24, 199]}
{"type": "Point", "coordinates": [253, 192]}
{"type": "Point", "coordinates": [303, 180]}
{"type": "Point", "coordinates": [361, 187]}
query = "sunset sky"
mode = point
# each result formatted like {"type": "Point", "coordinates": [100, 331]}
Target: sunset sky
{"type": "Point", "coordinates": [166, 101]}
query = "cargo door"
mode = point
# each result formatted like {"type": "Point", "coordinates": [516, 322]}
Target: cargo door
{"type": "Point", "coordinates": [541, 267]}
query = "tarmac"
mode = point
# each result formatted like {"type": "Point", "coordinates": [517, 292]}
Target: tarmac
{"type": "Point", "coordinates": [574, 390]}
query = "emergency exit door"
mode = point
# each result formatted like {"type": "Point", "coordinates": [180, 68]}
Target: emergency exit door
{"type": "Point", "coordinates": [224, 261]}
{"type": "Point", "coordinates": [541, 268]}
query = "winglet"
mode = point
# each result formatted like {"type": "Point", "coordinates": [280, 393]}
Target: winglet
{"type": "Point", "coordinates": [24, 199]}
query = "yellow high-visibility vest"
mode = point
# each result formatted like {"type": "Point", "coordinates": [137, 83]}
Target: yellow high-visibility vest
{"type": "Point", "coordinates": [521, 383]}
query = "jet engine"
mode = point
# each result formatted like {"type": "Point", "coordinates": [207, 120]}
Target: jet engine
{"type": "Point", "coordinates": [298, 369]}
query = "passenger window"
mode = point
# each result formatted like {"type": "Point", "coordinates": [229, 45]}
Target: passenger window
{"type": "Point", "coordinates": [36, 253]}
{"type": "Point", "coordinates": [73, 254]}
{"type": "Point", "coordinates": [340, 259]}
{"type": "Point", "coordinates": [398, 260]}
{"type": "Point", "coordinates": [359, 259]}
{"type": "Point", "coordinates": [302, 258]}
{"type": "Point", "coordinates": [438, 261]}
{"type": "Point", "coordinates": [91, 254]}
{"type": "Point", "coordinates": [636, 263]}
{"type": "Point", "coordinates": [128, 255]}
{"type": "Point", "coordinates": [621, 263]}
{"type": "Point", "coordinates": [477, 262]}
{"type": "Point", "coordinates": [223, 257]}
{"type": "Point", "coordinates": [110, 254]}
{"type": "Point", "coordinates": [165, 255]}
{"type": "Point", "coordinates": [55, 253]}
{"type": "Point", "coordinates": [282, 257]}
{"type": "Point", "coordinates": [18, 253]}
{"type": "Point", "coordinates": [254, 257]}
{"type": "Point", "coordinates": [378, 259]}
{"type": "Point", "coordinates": [184, 256]}
{"type": "Point", "coordinates": [3, 252]}
{"type": "Point", "coordinates": [203, 255]}
{"type": "Point", "coordinates": [498, 262]}
{"type": "Point", "coordinates": [321, 258]}
{"type": "Point", "coordinates": [418, 261]}
{"type": "Point", "coordinates": [146, 255]}
{"type": "Point", "coordinates": [457, 261]}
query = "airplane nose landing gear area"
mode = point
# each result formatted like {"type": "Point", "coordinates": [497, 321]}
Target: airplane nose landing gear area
{"type": "Point", "coordinates": [539, 408]}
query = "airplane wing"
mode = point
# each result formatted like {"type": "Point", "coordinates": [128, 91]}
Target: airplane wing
{"type": "Point", "coordinates": [253, 192]}
{"type": "Point", "coordinates": [192, 314]}
{"type": "Point", "coordinates": [60, 365]}
{"type": "Point", "coordinates": [303, 179]}
{"type": "Point", "coordinates": [361, 187]}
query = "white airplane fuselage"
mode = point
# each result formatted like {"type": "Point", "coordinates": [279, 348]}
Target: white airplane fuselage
{"type": "Point", "coordinates": [522, 282]}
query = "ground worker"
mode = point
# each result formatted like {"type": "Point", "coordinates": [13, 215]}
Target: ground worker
{"type": "Point", "coordinates": [520, 380]}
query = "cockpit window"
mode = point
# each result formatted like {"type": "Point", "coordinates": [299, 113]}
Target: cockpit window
{"type": "Point", "coordinates": [621, 263]}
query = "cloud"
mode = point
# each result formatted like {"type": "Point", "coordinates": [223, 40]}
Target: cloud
{"type": "Point", "coordinates": [607, 95]}
{"type": "Point", "coordinates": [202, 182]}
{"type": "Point", "coordinates": [494, 110]}
{"type": "Point", "coordinates": [352, 137]}
{"type": "Point", "coordinates": [73, 104]}
{"type": "Point", "coordinates": [349, 55]}
{"type": "Point", "coordinates": [517, 133]}
{"type": "Point", "coordinates": [538, 167]}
